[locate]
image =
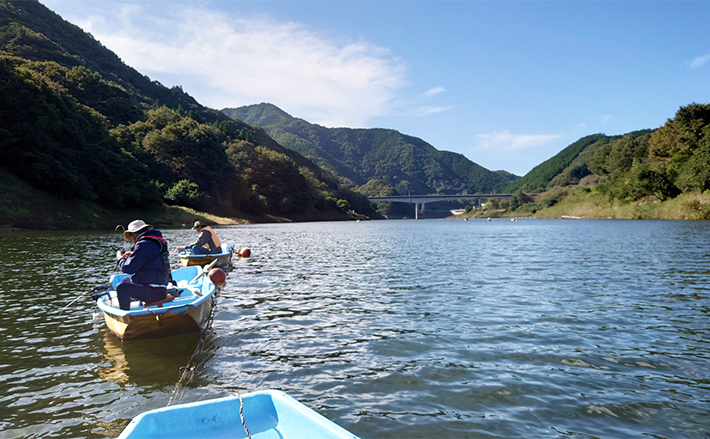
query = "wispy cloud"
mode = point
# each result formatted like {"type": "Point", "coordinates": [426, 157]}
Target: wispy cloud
{"type": "Point", "coordinates": [426, 111]}
{"type": "Point", "coordinates": [434, 91]}
{"type": "Point", "coordinates": [699, 61]}
{"type": "Point", "coordinates": [226, 60]}
{"type": "Point", "coordinates": [505, 141]}
{"type": "Point", "coordinates": [419, 106]}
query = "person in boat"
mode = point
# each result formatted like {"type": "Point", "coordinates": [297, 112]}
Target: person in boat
{"type": "Point", "coordinates": [148, 263]}
{"type": "Point", "coordinates": [207, 241]}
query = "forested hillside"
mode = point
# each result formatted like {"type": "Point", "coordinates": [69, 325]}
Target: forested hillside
{"type": "Point", "coordinates": [78, 123]}
{"type": "Point", "coordinates": [569, 166]}
{"type": "Point", "coordinates": [647, 166]}
{"type": "Point", "coordinates": [375, 161]}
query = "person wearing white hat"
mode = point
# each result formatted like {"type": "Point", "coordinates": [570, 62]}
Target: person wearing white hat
{"type": "Point", "coordinates": [148, 264]}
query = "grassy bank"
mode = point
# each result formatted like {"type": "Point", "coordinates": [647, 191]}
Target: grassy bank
{"type": "Point", "coordinates": [592, 204]}
{"type": "Point", "coordinates": [588, 203]}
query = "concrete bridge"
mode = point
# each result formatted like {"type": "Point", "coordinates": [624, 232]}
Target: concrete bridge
{"type": "Point", "coordinates": [423, 199]}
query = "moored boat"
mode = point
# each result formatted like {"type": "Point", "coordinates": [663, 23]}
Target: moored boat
{"type": "Point", "coordinates": [188, 311]}
{"type": "Point", "coordinates": [224, 258]}
{"type": "Point", "coordinates": [267, 414]}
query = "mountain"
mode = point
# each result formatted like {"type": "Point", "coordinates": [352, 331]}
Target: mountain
{"type": "Point", "coordinates": [81, 125]}
{"type": "Point", "coordinates": [364, 157]}
{"type": "Point", "coordinates": [633, 172]}
{"type": "Point", "coordinates": [569, 166]}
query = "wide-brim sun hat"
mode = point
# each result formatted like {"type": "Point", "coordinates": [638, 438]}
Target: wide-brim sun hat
{"type": "Point", "coordinates": [137, 226]}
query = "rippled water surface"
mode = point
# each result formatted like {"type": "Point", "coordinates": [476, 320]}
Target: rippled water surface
{"type": "Point", "coordinates": [392, 329]}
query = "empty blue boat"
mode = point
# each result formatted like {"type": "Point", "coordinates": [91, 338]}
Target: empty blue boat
{"type": "Point", "coordinates": [267, 414]}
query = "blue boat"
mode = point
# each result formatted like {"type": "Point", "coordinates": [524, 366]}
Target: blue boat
{"type": "Point", "coordinates": [267, 414]}
{"type": "Point", "coordinates": [223, 258]}
{"type": "Point", "coordinates": [187, 309]}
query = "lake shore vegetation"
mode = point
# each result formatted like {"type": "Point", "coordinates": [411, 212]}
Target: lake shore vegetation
{"type": "Point", "coordinates": [85, 138]}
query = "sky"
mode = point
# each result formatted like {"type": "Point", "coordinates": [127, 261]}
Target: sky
{"type": "Point", "coordinates": [508, 84]}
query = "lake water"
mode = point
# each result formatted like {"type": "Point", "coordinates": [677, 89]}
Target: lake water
{"type": "Point", "coordinates": [392, 329]}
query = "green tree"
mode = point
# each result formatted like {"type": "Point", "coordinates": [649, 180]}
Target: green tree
{"type": "Point", "coordinates": [184, 193]}
{"type": "Point", "coordinates": [517, 199]}
{"type": "Point", "coordinates": [656, 182]}
{"type": "Point", "coordinates": [343, 205]}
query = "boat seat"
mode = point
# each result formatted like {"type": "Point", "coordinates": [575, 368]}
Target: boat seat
{"type": "Point", "coordinates": [168, 298]}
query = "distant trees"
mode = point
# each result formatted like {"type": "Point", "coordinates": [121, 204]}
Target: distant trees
{"type": "Point", "coordinates": [60, 145]}
{"type": "Point", "coordinates": [672, 160]}
{"type": "Point", "coordinates": [620, 155]}
{"type": "Point", "coordinates": [644, 165]}
{"type": "Point", "coordinates": [77, 122]}
{"type": "Point", "coordinates": [517, 200]}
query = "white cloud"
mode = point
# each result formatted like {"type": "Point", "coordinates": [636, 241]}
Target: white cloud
{"type": "Point", "coordinates": [505, 141]}
{"type": "Point", "coordinates": [226, 60]}
{"type": "Point", "coordinates": [417, 107]}
{"type": "Point", "coordinates": [434, 91]}
{"type": "Point", "coordinates": [699, 61]}
{"type": "Point", "coordinates": [426, 111]}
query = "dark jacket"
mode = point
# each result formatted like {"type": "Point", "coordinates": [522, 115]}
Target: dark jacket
{"type": "Point", "coordinates": [148, 263]}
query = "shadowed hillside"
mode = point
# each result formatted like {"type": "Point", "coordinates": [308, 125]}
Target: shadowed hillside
{"type": "Point", "coordinates": [79, 124]}
{"type": "Point", "coordinates": [404, 163]}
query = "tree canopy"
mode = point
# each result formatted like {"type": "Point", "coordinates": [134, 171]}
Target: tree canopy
{"type": "Point", "coordinates": [75, 121]}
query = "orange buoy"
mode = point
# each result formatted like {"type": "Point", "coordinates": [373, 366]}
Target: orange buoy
{"type": "Point", "coordinates": [218, 276]}
{"type": "Point", "coordinates": [244, 252]}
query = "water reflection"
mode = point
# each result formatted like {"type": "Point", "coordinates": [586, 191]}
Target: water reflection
{"type": "Point", "coordinates": [146, 362]}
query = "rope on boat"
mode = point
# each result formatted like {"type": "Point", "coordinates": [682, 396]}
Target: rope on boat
{"type": "Point", "coordinates": [241, 414]}
{"type": "Point", "coordinates": [156, 315]}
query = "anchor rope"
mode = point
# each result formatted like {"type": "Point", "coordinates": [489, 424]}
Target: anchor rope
{"type": "Point", "coordinates": [241, 414]}
{"type": "Point", "coordinates": [189, 370]}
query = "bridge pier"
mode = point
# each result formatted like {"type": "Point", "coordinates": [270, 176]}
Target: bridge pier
{"type": "Point", "coordinates": [416, 210]}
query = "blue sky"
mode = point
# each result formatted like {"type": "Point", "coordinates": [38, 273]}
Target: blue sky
{"type": "Point", "coordinates": [507, 84]}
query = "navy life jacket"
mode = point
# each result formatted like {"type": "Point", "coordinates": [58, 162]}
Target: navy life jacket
{"type": "Point", "coordinates": [164, 254]}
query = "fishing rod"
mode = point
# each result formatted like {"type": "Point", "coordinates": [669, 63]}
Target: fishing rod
{"type": "Point", "coordinates": [96, 292]}
{"type": "Point", "coordinates": [99, 290]}
{"type": "Point", "coordinates": [124, 236]}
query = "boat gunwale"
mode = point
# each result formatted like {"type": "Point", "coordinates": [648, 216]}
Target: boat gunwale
{"type": "Point", "coordinates": [280, 403]}
{"type": "Point", "coordinates": [184, 254]}
{"type": "Point", "coordinates": [179, 305]}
